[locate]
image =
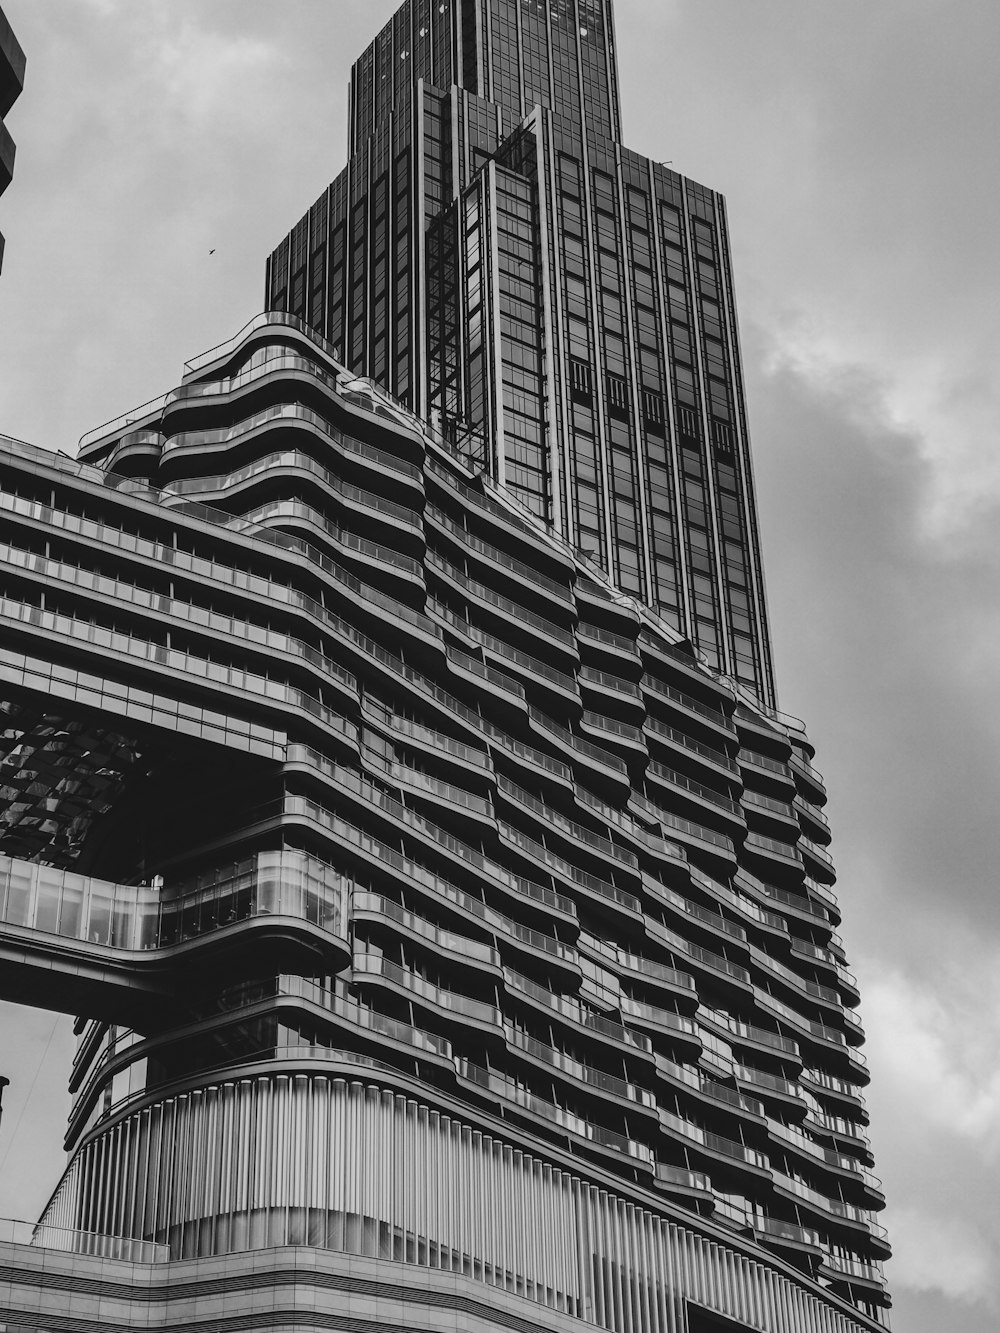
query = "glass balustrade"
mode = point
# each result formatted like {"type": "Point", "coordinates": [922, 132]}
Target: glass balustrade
{"type": "Point", "coordinates": [133, 917]}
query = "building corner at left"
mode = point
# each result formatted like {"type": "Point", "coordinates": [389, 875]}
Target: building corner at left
{"type": "Point", "coordinates": [11, 83]}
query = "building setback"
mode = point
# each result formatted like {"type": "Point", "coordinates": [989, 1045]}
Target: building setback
{"type": "Point", "coordinates": [560, 307]}
{"type": "Point", "coordinates": [11, 82]}
{"type": "Point", "coordinates": [426, 899]}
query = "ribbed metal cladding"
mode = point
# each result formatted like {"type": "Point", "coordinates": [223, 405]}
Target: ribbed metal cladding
{"type": "Point", "coordinates": [316, 1160]}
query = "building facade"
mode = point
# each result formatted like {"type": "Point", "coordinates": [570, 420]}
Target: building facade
{"type": "Point", "coordinates": [430, 905]}
{"type": "Point", "coordinates": [559, 307]}
{"type": "Point", "coordinates": [11, 82]}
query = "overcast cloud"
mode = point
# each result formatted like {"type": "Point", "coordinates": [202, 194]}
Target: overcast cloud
{"type": "Point", "coordinates": [856, 144]}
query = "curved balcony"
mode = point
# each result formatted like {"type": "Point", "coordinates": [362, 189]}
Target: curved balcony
{"type": "Point", "coordinates": [396, 523]}
{"type": "Point", "coordinates": [697, 837]}
{"type": "Point", "coordinates": [814, 821]}
{"type": "Point", "coordinates": [853, 1225]}
{"type": "Point", "coordinates": [554, 957]}
{"type": "Point", "coordinates": [674, 658]}
{"type": "Point", "coordinates": [775, 858]}
{"type": "Point", "coordinates": [448, 1005]}
{"type": "Point", "coordinates": [842, 1133]}
{"type": "Point", "coordinates": [598, 850]}
{"type": "Point", "coordinates": [761, 1042]}
{"type": "Point", "coordinates": [568, 1010]}
{"type": "Point", "coordinates": [817, 860]}
{"type": "Point", "coordinates": [753, 717]}
{"type": "Point", "coordinates": [687, 1184]}
{"type": "Point", "coordinates": [460, 854]}
{"type": "Point", "coordinates": [68, 937]}
{"type": "Point", "coordinates": [398, 726]}
{"type": "Point", "coordinates": [596, 1082]}
{"type": "Point", "coordinates": [825, 895]}
{"type": "Point", "coordinates": [529, 580]}
{"type": "Point", "coordinates": [755, 920]}
{"type": "Point", "coordinates": [610, 731]}
{"type": "Point", "coordinates": [706, 800]}
{"type": "Point", "coordinates": [668, 854]}
{"type": "Point", "coordinates": [869, 1278]}
{"type": "Point", "coordinates": [775, 770]}
{"type": "Point", "coordinates": [608, 898]}
{"type": "Point", "coordinates": [494, 509]}
{"type": "Point", "coordinates": [479, 964]}
{"type": "Point", "coordinates": [599, 601]}
{"type": "Point", "coordinates": [266, 327]}
{"type": "Point", "coordinates": [277, 369]}
{"type": "Point", "coordinates": [535, 675]}
{"type": "Point", "coordinates": [777, 1092]}
{"type": "Point", "coordinates": [597, 761]}
{"type": "Point", "coordinates": [230, 579]}
{"type": "Point", "coordinates": [388, 564]}
{"type": "Point", "coordinates": [164, 665]}
{"type": "Point", "coordinates": [689, 708]}
{"type": "Point", "coordinates": [700, 918]}
{"type": "Point", "coordinates": [594, 1137]}
{"type": "Point", "coordinates": [615, 694]}
{"type": "Point", "coordinates": [526, 759]}
{"type": "Point", "coordinates": [510, 616]}
{"type": "Point", "coordinates": [90, 443]}
{"type": "Point", "coordinates": [768, 815]}
{"type": "Point", "coordinates": [676, 1028]}
{"type": "Point", "coordinates": [799, 987]}
{"type": "Point", "coordinates": [728, 1156]}
{"type": "Point", "coordinates": [773, 1231]}
{"type": "Point", "coordinates": [399, 473]}
{"type": "Point", "coordinates": [810, 777]}
{"type": "Point", "coordinates": [616, 649]}
{"type": "Point", "coordinates": [794, 905]}
{"type": "Point", "coordinates": [707, 760]}
{"type": "Point", "coordinates": [503, 689]}
{"type": "Point", "coordinates": [454, 805]}
{"type": "Point", "coordinates": [644, 971]}
{"type": "Point", "coordinates": [136, 454]}
{"type": "Point", "coordinates": [813, 1152]}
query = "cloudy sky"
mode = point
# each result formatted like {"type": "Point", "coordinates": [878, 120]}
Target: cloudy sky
{"type": "Point", "coordinates": [856, 143]}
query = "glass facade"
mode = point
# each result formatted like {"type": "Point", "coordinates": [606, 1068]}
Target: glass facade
{"type": "Point", "coordinates": [572, 326]}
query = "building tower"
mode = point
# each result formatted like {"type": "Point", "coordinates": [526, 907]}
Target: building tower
{"type": "Point", "coordinates": [11, 82]}
{"type": "Point", "coordinates": [562, 308]}
{"type": "Point", "coordinates": [429, 902]}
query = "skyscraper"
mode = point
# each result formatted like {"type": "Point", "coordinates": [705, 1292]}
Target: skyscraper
{"type": "Point", "coordinates": [427, 901]}
{"type": "Point", "coordinates": [11, 82]}
{"type": "Point", "coordinates": [454, 944]}
{"type": "Point", "coordinates": [563, 308]}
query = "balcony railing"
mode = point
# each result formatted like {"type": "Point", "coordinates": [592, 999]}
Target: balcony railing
{"type": "Point", "coordinates": [495, 556]}
{"type": "Point", "coordinates": [676, 737]}
{"type": "Point", "coordinates": [140, 917]}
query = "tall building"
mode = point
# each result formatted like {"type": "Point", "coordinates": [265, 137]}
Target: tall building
{"type": "Point", "coordinates": [429, 896]}
{"type": "Point", "coordinates": [426, 900]}
{"type": "Point", "coordinates": [560, 307]}
{"type": "Point", "coordinates": [11, 82]}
